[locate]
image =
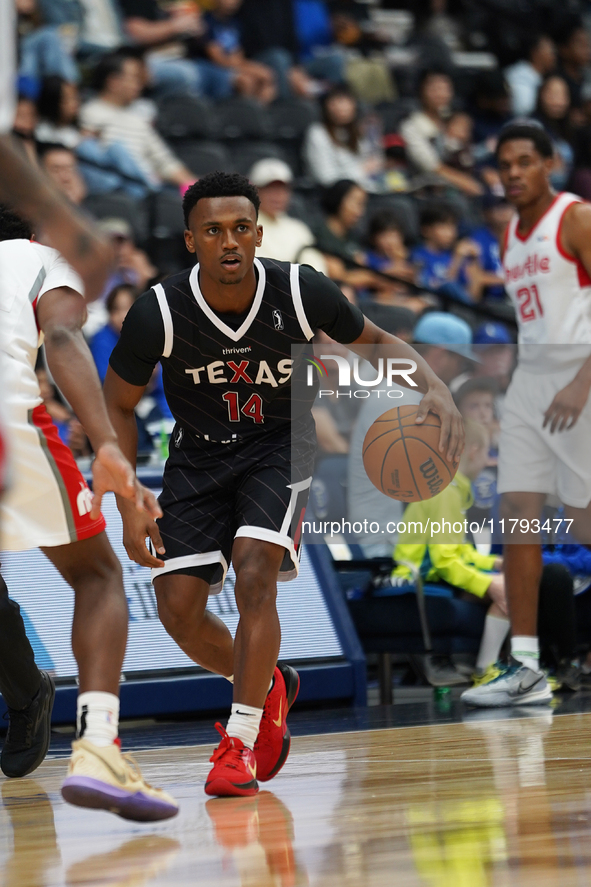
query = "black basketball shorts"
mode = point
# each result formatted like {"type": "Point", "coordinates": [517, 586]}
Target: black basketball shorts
{"type": "Point", "coordinates": [215, 492]}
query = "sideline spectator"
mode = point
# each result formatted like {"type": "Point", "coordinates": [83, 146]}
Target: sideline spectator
{"type": "Point", "coordinates": [222, 48]}
{"type": "Point", "coordinates": [44, 49]}
{"type": "Point", "coordinates": [284, 238]}
{"type": "Point", "coordinates": [389, 254]}
{"type": "Point", "coordinates": [553, 112]}
{"type": "Point", "coordinates": [336, 149]}
{"type": "Point", "coordinates": [423, 132]}
{"type": "Point", "coordinates": [448, 344]}
{"type": "Point", "coordinates": [60, 165]}
{"type": "Point", "coordinates": [117, 304]}
{"type": "Point", "coordinates": [119, 81]}
{"type": "Point", "coordinates": [574, 52]}
{"type": "Point", "coordinates": [132, 265]}
{"type": "Point", "coordinates": [445, 261]}
{"type": "Point", "coordinates": [496, 213]}
{"type": "Point", "coordinates": [104, 167]}
{"type": "Point", "coordinates": [525, 76]}
{"type": "Point", "coordinates": [23, 127]}
{"type": "Point", "coordinates": [457, 562]}
{"type": "Point", "coordinates": [475, 400]}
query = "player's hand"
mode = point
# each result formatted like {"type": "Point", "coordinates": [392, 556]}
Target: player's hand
{"type": "Point", "coordinates": [136, 529]}
{"type": "Point", "coordinates": [565, 409]}
{"type": "Point", "coordinates": [112, 472]}
{"type": "Point", "coordinates": [497, 593]}
{"type": "Point", "coordinates": [438, 400]}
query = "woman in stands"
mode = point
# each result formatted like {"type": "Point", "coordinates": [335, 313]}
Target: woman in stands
{"type": "Point", "coordinates": [337, 148]}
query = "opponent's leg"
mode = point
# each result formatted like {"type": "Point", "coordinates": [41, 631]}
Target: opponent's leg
{"type": "Point", "coordinates": [27, 691]}
{"type": "Point", "coordinates": [98, 775]}
{"type": "Point", "coordinates": [522, 683]}
{"type": "Point", "coordinates": [182, 602]}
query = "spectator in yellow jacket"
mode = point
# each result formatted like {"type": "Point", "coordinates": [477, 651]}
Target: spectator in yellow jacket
{"type": "Point", "coordinates": [447, 557]}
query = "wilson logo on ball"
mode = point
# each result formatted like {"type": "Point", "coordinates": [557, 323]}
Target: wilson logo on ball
{"type": "Point", "coordinates": [402, 459]}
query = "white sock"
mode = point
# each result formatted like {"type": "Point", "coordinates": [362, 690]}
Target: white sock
{"type": "Point", "coordinates": [97, 718]}
{"type": "Point", "coordinates": [493, 636]}
{"type": "Point", "coordinates": [526, 650]}
{"type": "Point", "coordinates": [244, 723]}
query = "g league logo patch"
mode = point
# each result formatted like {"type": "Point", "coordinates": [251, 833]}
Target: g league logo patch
{"type": "Point", "coordinates": [277, 319]}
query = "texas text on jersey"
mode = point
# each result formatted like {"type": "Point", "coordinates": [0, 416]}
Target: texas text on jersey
{"type": "Point", "coordinates": [228, 377]}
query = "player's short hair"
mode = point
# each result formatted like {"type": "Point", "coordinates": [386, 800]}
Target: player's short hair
{"type": "Point", "coordinates": [219, 184]}
{"type": "Point", "coordinates": [479, 383]}
{"type": "Point", "coordinates": [530, 130]}
{"type": "Point", "coordinates": [12, 227]}
{"type": "Point", "coordinates": [436, 214]}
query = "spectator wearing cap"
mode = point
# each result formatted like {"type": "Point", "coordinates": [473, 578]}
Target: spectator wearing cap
{"type": "Point", "coordinates": [525, 76]}
{"type": "Point", "coordinates": [284, 238]}
{"type": "Point", "coordinates": [132, 265]}
{"type": "Point", "coordinates": [396, 169]}
{"type": "Point", "coordinates": [449, 344]}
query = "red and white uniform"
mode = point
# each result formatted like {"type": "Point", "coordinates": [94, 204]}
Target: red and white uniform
{"type": "Point", "coordinates": [551, 293]}
{"type": "Point", "coordinates": [7, 106]}
{"type": "Point", "coordinates": [48, 501]}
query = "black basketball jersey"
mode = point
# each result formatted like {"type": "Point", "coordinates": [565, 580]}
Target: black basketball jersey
{"type": "Point", "coordinates": [228, 377]}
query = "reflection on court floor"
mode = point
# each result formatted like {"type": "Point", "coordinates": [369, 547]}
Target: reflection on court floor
{"type": "Point", "coordinates": [486, 803]}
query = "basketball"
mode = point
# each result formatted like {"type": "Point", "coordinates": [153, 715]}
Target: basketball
{"type": "Point", "coordinates": [402, 459]}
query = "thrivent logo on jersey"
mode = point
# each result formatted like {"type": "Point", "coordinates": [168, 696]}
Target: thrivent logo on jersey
{"type": "Point", "coordinates": [277, 319]}
{"type": "Point", "coordinates": [84, 500]}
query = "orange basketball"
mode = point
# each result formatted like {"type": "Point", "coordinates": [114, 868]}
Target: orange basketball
{"type": "Point", "coordinates": [402, 459]}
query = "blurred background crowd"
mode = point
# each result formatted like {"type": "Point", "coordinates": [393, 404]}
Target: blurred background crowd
{"type": "Point", "coordinates": [369, 128]}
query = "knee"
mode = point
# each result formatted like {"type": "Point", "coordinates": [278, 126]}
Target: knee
{"type": "Point", "coordinates": [99, 573]}
{"type": "Point", "coordinates": [255, 590]}
{"type": "Point", "coordinates": [177, 615]}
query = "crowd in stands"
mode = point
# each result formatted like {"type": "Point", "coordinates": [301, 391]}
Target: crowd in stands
{"type": "Point", "coordinates": [370, 130]}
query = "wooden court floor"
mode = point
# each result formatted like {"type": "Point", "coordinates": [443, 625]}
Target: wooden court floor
{"type": "Point", "coordinates": [505, 803]}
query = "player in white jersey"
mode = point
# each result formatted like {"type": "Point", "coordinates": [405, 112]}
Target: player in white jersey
{"type": "Point", "coordinates": [50, 506]}
{"type": "Point", "coordinates": [546, 424]}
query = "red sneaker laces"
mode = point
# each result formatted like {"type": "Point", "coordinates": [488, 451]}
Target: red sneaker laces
{"type": "Point", "coordinates": [233, 755]}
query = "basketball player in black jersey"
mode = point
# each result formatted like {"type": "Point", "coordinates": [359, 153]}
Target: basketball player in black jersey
{"type": "Point", "coordinates": [241, 454]}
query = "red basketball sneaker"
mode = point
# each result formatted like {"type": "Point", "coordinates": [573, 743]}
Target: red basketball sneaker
{"type": "Point", "coordinates": [234, 770]}
{"type": "Point", "coordinates": [272, 746]}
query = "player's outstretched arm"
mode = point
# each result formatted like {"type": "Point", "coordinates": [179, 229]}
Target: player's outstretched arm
{"type": "Point", "coordinates": [56, 223]}
{"type": "Point", "coordinates": [437, 397]}
{"type": "Point", "coordinates": [121, 399]}
{"type": "Point", "coordinates": [60, 315]}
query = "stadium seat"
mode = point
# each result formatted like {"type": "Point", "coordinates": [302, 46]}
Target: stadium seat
{"type": "Point", "coordinates": [242, 118]}
{"type": "Point", "coordinates": [406, 620]}
{"type": "Point", "coordinates": [393, 113]}
{"type": "Point", "coordinates": [120, 206]}
{"type": "Point", "coordinates": [167, 246]}
{"type": "Point", "coordinates": [204, 157]}
{"type": "Point", "coordinates": [290, 118]}
{"type": "Point", "coordinates": [185, 117]}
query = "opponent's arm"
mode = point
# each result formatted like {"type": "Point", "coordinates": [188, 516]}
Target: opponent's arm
{"type": "Point", "coordinates": [121, 399]}
{"type": "Point", "coordinates": [575, 240]}
{"type": "Point", "coordinates": [437, 397]}
{"type": "Point", "coordinates": [55, 221]}
{"type": "Point", "coordinates": [61, 313]}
